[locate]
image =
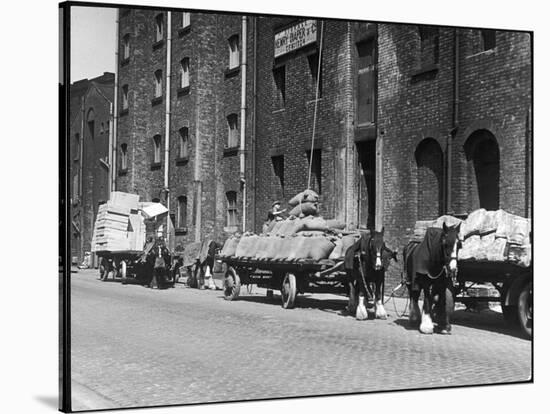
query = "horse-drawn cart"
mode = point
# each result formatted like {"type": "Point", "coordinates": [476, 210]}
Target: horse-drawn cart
{"type": "Point", "coordinates": [290, 277]}
{"type": "Point", "coordinates": [513, 282]}
{"type": "Point", "coordinates": [495, 250]}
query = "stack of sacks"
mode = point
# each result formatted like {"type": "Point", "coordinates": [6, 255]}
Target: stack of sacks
{"type": "Point", "coordinates": [421, 226]}
{"type": "Point", "coordinates": [247, 246]}
{"type": "Point", "coordinates": [343, 243]}
{"type": "Point", "coordinates": [230, 246]}
{"type": "Point", "coordinates": [487, 234]}
{"type": "Point", "coordinates": [119, 226]}
{"type": "Point", "coordinates": [303, 235]}
{"type": "Point", "coordinates": [304, 204]}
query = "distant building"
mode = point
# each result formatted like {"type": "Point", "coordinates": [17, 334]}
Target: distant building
{"type": "Point", "coordinates": [411, 122]}
{"type": "Point", "coordinates": [90, 129]}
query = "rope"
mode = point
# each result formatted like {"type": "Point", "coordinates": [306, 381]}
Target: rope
{"type": "Point", "coordinates": [316, 102]}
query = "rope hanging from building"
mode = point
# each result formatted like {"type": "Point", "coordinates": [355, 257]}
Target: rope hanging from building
{"type": "Point", "coordinates": [316, 102]}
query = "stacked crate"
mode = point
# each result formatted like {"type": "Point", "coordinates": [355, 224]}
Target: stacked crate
{"type": "Point", "coordinates": [119, 225]}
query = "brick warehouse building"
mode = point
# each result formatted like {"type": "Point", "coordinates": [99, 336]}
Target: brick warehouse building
{"type": "Point", "coordinates": [203, 176]}
{"type": "Point", "coordinates": [396, 103]}
{"type": "Point", "coordinates": [90, 134]}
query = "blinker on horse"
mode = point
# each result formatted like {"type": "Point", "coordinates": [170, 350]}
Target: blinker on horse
{"type": "Point", "coordinates": [366, 262]}
{"type": "Point", "coordinates": [429, 267]}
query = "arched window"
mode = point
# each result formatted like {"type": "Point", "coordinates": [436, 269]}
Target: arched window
{"type": "Point", "coordinates": [181, 221]}
{"type": "Point", "coordinates": [126, 47]}
{"type": "Point", "coordinates": [158, 83]}
{"type": "Point", "coordinates": [91, 123]}
{"type": "Point", "coordinates": [183, 143]}
{"type": "Point", "coordinates": [184, 73]}
{"type": "Point", "coordinates": [159, 27]}
{"type": "Point", "coordinates": [429, 163]}
{"type": "Point", "coordinates": [232, 131]}
{"type": "Point", "coordinates": [156, 149]}
{"type": "Point", "coordinates": [124, 97]}
{"type": "Point", "coordinates": [483, 156]}
{"type": "Point", "coordinates": [233, 51]}
{"type": "Point", "coordinates": [231, 197]}
{"type": "Point", "coordinates": [123, 157]}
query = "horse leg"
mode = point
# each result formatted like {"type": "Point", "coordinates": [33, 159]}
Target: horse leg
{"type": "Point", "coordinates": [445, 307]}
{"type": "Point", "coordinates": [414, 310]}
{"type": "Point", "coordinates": [380, 312]}
{"type": "Point", "coordinates": [352, 298]}
{"type": "Point", "coordinates": [426, 325]}
{"type": "Point", "coordinates": [361, 313]}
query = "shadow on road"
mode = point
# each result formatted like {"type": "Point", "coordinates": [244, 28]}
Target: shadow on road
{"type": "Point", "coordinates": [486, 320]}
{"type": "Point", "coordinates": [302, 302]}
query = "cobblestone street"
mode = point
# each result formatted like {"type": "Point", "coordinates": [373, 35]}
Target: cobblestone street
{"type": "Point", "coordinates": [133, 346]}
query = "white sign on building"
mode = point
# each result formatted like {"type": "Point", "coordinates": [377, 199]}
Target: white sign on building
{"type": "Point", "coordinates": [295, 37]}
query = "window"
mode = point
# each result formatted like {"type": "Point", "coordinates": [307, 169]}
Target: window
{"type": "Point", "coordinates": [279, 170]}
{"type": "Point", "coordinates": [430, 181]}
{"type": "Point", "coordinates": [315, 181]}
{"type": "Point", "coordinates": [181, 220]}
{"type": "Point", "coordinates": [102, 128]}
{"type": "Point", "coordinates": [233, 132]}
{"type": "Point", "coordinates": [231, 197]}
{"type": "Point", "coordinates": [313, 61]}
{"type": "Point", "coordinates": [123, 156]}
{"type": "Point", "coordinates": [279, 76]}
{"type": "Point", "coordinates": [76, 150]}
{"type": "Point", "coordinates": [483, 171]}
{"type": "Point", "coordinates": [126, 47]}
{"type": "Point", "coordinates": [233, 52]}
{"type": "Point", "coordinates": [76, 181]}
{"type": "Point", "coordinates": [184, 73]}
{"type": "Point", "coordinates": [185, 19]}
{"type": "Point", "coordinates": [107, 127]}
{"type": "Point", "coordinates": [158, 83]}
{"type": "Point", "coordinates": [429, 45]}
{"type": "Point", "coordinates": [184, 143]}
{"type": "Point", "coordinates": [488, 39]}
{"type": "Point", "coordinates": [366, 82]}
{"type": "Point", "coordinates": [91, 129]}
{"type": "Point", "coordinates": [156, 149]}
{"type": "Point", "coordinates": [159, 27]}
{"type": "Point", "coordinates": [124, 97]}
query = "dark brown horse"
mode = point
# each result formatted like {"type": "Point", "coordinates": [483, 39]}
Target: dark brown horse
{"type": "Point", "coordinates": [365, 263]}
{"type": "Point", "coordinates": [429, 267]}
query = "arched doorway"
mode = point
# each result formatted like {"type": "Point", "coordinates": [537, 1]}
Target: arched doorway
{"type": "Point", "coordinates": [429, 164]}
{"type": "Point", "coordinates": [483, 157]}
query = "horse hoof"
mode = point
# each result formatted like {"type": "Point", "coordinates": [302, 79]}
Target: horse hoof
{"type": "Point", "coordinates": [426, 329]}
{"type": "Point", "coordinates": [445, 332]}
{"type": "Point", "coordinates": [383, 317]}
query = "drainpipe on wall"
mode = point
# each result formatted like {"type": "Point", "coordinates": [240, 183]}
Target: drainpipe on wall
{"type": "Point", "coordinates": [243, 117]}
{"type": "Point", "coordinates": [197, 204]}
{"type": "Point", "coordinates": [452, 133]}
{"type": "Point", "coordinates": [110, 150]}
{"type": "Point", "coordinates": [253, 143]}
{"type": "Point", "coordinates": [167, 124]}
{"type": "Point", "coordinates": [81, 155]}
{"type": "Point", "coordinates": [112, 154]}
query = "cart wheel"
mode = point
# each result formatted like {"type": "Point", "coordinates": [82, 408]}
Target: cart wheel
{"type": "Point", "coordinates": [525, 310]}
{"type": "Point", "coordinates": [288, 291]}
{"type": "Point", "coordinates": [232, 284]}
